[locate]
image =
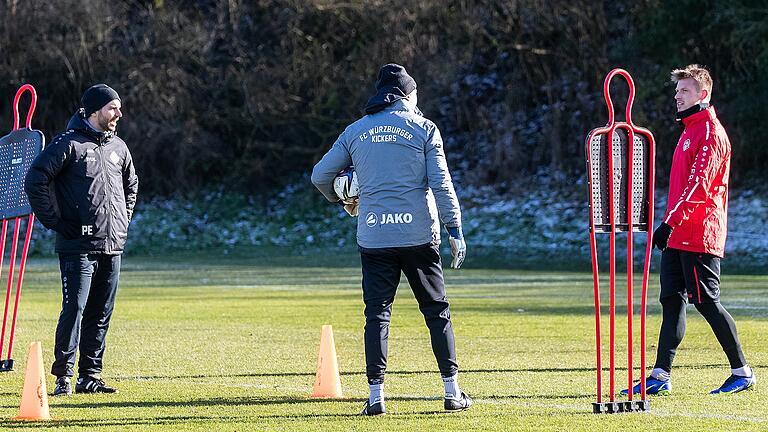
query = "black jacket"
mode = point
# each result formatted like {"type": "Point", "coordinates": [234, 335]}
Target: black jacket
{"type": "Point", "coordinates": [85, 180]}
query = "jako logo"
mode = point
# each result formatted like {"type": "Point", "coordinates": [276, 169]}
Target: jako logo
{"type": "Point", "coordinates": [388, 218]}
{"type": "Point", "coordinates": [370, 219]}
{"type": "Point", "coordinates": [396, 218]}
{"type": "Point", "coordinates": [686, 144]}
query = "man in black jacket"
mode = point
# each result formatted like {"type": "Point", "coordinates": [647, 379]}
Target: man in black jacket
{"type": "Point", "coordinates": [84, 187]}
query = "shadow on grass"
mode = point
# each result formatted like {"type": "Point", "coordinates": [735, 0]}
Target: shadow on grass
{"type": "Point", "coordinates": [187, 419]}
{"type": "Point", "coordinates": [153, 420]}
{"type": "Point", "coordinates": [543, 310]}
{"type": "Point", "coordinates": [416, 372]}
{"type": "Point", "coordinates": [169, 420]}
{"type": "Point", "coordinates": [164, 420]}
{"type": "Point", "coordinates": [310, 374]}
{"type": "Point", "coordinates": [230, 401]}
{"type": "Point", "coordinates": [539, 396]}
{"type": "Point", "coordinates": [405, 372]}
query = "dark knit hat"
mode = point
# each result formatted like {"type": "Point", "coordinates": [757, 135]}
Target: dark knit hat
{"type": "Point", "coordinates": [96, 97]}
{"type": "Point", "coordinates": [392, 84]}
{"type": "Point", "coordinates": [393, 76]}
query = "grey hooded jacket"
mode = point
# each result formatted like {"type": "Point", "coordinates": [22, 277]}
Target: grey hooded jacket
{"type": "Point", "coordinates": [404, 181]}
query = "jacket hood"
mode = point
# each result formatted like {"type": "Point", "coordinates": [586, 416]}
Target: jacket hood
{"type": "Point", "coordinates": [396, 105]}
{"type": "Point", "coordinates": [78, 123]}
{"type": "Point", "coordinates": [382, 99]}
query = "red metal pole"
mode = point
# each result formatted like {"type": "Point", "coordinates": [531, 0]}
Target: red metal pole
{"type": "Point", "coordinates": [10, 279]}
{"type": "Point", "coordinates": [7, 294]}
{"type": "Point", "coordinates": [612, 246]}
{"type": "Point", "coordinates": [595, 270]}
{"type": "Point", "coordinates": [630, 299]}
{"type": "Point", "coordinates": [630, 245]}
{"type": "Point", "coordinates": [32, 105]}
{"type": "Point", "coordinates": [648, 253]}
{"type": "Point", "coordinates": [20, 280]}
{"type": "Point", "coordinates": [612, 277]}
{"type": "Point", "coordinates": [596, 284]}
{"type": "Point", "coordinates": [644, 300]}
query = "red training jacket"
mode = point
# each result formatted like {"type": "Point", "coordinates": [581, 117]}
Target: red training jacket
{"type": "Point", "coordinates": [697, 207]}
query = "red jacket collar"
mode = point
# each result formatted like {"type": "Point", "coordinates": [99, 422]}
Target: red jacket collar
{"type": "Point", "coordinates": [701, 116]}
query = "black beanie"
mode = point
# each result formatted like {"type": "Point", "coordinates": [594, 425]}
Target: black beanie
{"type": "Point", "coordinates": [392, 84]}
{"type": "Point", "coordinates": [96, 97]}
{"type": "Point", "coordinates": [394, 76]}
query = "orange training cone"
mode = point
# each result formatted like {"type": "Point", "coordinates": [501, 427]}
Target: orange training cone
{"type": "Point", "coordinates": [327, 382]}
{"type": "Point", "coordinates": [34, 398]}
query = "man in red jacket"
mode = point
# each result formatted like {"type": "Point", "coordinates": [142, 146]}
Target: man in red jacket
{"type": "Point", "coordinates": [692, 236]}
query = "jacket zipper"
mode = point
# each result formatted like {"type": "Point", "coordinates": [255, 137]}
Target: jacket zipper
{"type": "Point", "coordinates": [105, 175]}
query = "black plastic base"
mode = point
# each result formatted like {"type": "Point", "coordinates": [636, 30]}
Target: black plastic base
{"type": "Point", "coordinates": [621, 407]}
{"type": "Point", "coordinates": [6, 365]}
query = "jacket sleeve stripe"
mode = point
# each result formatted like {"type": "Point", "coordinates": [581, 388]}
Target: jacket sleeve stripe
{"type": "Point", "coordinates": [707, 137]}
{"type": "Point", "coordinates": [698, 182]}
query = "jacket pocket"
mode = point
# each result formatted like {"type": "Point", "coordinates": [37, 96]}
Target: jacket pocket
{"type": "Point", "coordinates": [119, 232]}
{"type": "Point", "coordinates": [68, 207]}
{"type": "Point", "coordinates": [714, 228]}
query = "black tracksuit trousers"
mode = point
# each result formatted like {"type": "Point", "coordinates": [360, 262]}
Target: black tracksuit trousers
{"type": "Point", "coordinates": [691, 277]}
{"type": "Point", "coordinates": [381, 276]}
{"type": "Point", "coordinates": [89, 286]}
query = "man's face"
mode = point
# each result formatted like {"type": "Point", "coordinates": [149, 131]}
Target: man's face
{"type": "Point", "coordinates": [687, 94]}
{"type": "Point", "coordinates": [108, 116]}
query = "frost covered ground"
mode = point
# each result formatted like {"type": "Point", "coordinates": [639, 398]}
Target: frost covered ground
{"type": "Point", "coordinates": [546, 225]}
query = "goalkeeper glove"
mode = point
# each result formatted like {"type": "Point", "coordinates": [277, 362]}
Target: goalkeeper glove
{"type": "Point", "coordinates": [458, 246]}
{"type": "Point", "coordinates": [351, 207]}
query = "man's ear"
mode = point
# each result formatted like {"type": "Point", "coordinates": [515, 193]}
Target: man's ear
{"type": "Point", "coordinates": [704, 94]}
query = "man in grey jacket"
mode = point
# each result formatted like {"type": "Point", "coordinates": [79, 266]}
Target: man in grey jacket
{"type": "Point", "coordinates": [405, 193]}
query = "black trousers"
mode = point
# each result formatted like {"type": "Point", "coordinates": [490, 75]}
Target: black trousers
{"type": "Point", "coordinates": [89, 285]}
{"type": "Point", "coordinates": [692, 277]}
{"type": "Point", "coordinates": [381, 276]}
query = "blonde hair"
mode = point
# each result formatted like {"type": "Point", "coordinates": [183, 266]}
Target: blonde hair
{"type": "Point", "coordinates": [695, 72]}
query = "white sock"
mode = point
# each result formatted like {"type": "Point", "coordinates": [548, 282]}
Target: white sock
{"type": "Point", "coordinates": [660, 374]}
{"type": "Point", "coordinates": [377, 393]}
{"type": "Point", "coordinates": [744, 371]}
{"type": "Point", "coordinates": [451, 384]}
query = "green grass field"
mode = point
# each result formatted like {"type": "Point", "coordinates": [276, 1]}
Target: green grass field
{"type": "Point", "coordinates": [231, 345]}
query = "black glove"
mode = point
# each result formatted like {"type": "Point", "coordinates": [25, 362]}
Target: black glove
{"type": "Point", "coordinates": [661, 236]}
{"type": "Point", "coordinates": [66, 229]}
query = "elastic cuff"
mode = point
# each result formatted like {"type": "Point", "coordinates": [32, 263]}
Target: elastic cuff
{"type": "Point", "coordinates": [455, 232]}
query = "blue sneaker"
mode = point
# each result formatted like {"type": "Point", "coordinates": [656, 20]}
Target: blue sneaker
{"type": "Point", "coordinates": [735, 384]}
{"type": "Point", "coordinates": [652, 387]}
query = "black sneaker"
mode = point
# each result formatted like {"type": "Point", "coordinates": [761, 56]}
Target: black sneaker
{"type": "Point", "coordinates": [92, 385]}
{"type": "Point", "coordinates": [373, 410]}
{"type": "Point", "coordinates": [63, 386]}
{"type": "Point", "coordinates": [460, 404]}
